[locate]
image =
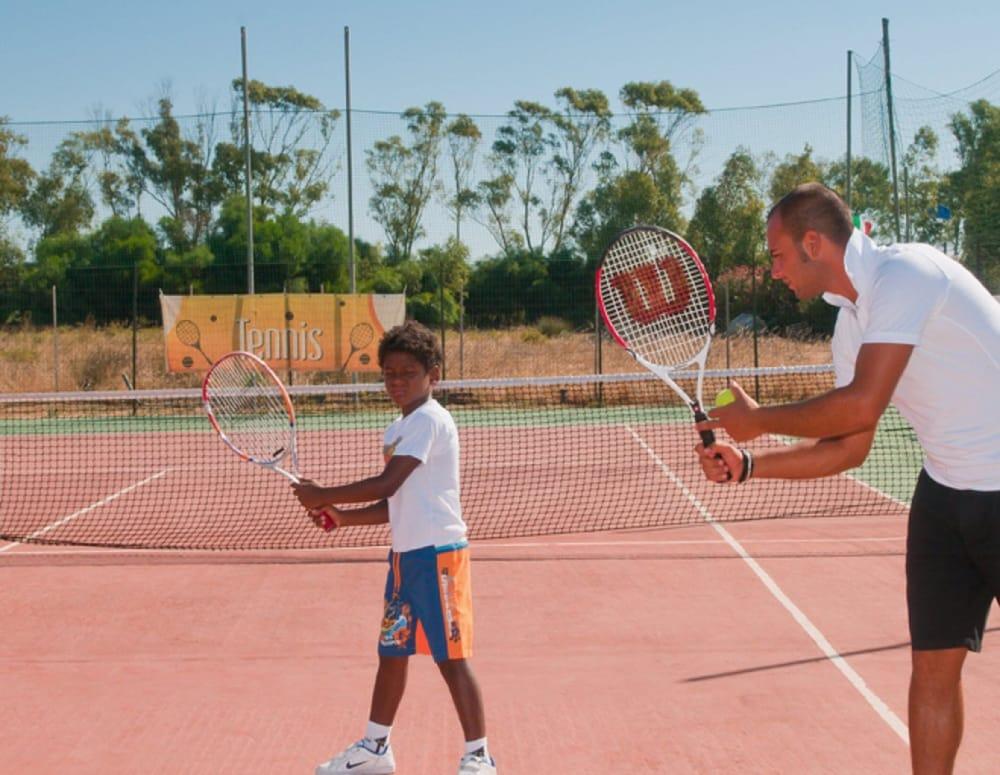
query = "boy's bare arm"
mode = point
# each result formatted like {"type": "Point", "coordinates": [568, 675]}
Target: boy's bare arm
{"type": "Point", "coordinates": [376, 488]}
{"type": "Point", "coordinates": [330, 517]}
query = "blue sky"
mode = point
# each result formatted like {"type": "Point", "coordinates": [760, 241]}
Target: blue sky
{"type": "Point", "coordinates": [61, 58]}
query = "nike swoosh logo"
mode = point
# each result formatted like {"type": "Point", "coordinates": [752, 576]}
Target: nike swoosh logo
{"type": "Point", "coordinates": [352, 765]}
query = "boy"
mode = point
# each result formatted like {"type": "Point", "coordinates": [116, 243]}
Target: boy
{"type": "Point", "coordinates": [428, 604]}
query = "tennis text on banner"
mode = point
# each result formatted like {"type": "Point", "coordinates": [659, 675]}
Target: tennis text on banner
{"type": "Point", "coordinates": [297, 332]}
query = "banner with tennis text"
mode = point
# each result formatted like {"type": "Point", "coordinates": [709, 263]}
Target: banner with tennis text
{"type": "Point", "coordinates": [295, 331]}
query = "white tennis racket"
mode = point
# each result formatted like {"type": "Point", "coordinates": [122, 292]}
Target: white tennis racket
{"type": "Point", "coordinates": [252, 412]}
{"type": "Point", "coordinates": [655, 297]}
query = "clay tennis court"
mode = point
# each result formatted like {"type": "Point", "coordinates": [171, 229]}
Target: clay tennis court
{"type": "Point", "coordinates": [627, 651]}
{"type": "Point", "coordinates": [743, 645]}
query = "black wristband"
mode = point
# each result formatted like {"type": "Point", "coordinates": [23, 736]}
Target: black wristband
{"type": "Point", "coordinates": [747, 471]}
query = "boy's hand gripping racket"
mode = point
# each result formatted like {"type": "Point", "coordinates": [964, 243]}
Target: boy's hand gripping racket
{"type": "Point", "coordinates": [655, 297]}
{"type": "Point", "coordinates": [252, 412]}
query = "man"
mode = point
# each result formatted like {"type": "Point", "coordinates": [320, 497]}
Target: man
{"type": "Point", "coordinates": [914, 327]}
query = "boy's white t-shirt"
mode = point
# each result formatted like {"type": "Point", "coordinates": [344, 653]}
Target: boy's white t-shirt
{"type": "Point", "coordinates": [426, 509]}
{"type": "Point", "coordinates": [914, 294]}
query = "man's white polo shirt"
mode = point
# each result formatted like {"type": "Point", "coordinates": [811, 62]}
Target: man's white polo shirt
{"type": "Point", "coordinates": [950, 389]}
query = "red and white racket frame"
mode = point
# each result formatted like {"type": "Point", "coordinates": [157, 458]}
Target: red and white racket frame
{"type": "Point", "coordinates": [272, 464]}
{"type": "Point", "coordinates": [665, 372]}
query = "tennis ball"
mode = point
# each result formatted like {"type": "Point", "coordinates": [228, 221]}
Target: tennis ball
{"type": "Point", "coordinates": [724, 397]}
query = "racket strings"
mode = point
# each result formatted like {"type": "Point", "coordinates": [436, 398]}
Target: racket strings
{"type": "Point", "coordinates": [250, 410]}
{"type": "Point", "coordinates": [656, 298]}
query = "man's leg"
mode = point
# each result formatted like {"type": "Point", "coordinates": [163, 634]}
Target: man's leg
{"type": "Point", "coordinates": [936, 716]}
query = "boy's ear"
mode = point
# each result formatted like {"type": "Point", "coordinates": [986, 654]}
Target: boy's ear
{"type": "Point", "coordinates": [435, 374]}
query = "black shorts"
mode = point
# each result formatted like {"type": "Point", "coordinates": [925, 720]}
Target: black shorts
{"type": "Point", "coordinates": [952, 564]}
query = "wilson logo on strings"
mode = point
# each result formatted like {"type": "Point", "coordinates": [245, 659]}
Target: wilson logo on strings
{"type": "Point", "coordinates": [645, 295]}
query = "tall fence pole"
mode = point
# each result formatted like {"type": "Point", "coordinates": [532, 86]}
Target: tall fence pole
{"type": "Point", "coordinates": [461, 329]}
{"type": "Point", "coordinates": [55, 341]}
{"type": "Point", "coordinates": [847, 166]}
{"type": "Point", "coordinates": [598, 360]}
{"type": "Point", "coordinates": [444, 352]}
{"type": "Point", "coordinates": [725, 331]}
{"type": "Point", "coordinates": [350, 175]}
{"type": "Point", "coordinates": [135, 322]}
{"type": "Point", "coordinates": [892, 123]}
{"type": "Point", "coordinates": [247, 162]}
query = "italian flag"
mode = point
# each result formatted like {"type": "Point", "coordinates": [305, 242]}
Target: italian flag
{"type": "Point", "coordinates": [862, 224]}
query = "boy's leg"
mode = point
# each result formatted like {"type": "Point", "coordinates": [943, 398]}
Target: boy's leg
{"type": "Point", "coordinates": [466, 695]}
{"type": "Point", "coordinates": [390, 683]}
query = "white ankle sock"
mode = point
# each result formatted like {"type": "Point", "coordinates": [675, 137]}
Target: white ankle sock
{"type": "Point", "coordinates": [378, 733]}
{"type": "Point", "coordinates": [471, 746]}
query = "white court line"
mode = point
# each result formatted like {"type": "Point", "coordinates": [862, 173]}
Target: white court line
{"type": "Point", "coordinates": [876, 702]}
{"type": "Point", "coordinates": [86, 509]}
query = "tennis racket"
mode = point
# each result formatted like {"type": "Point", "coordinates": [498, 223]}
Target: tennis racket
{"type": "Point", "coordinates": [655, 297]}
{"type": "Point", "coordinates": [252, 412]}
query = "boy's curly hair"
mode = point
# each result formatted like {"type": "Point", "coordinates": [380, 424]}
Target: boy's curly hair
{"type": "Point", "coordinates": [413, 338]}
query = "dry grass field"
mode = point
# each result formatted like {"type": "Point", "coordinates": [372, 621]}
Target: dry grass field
{"type": "Point", "coordinates": [95, 358]}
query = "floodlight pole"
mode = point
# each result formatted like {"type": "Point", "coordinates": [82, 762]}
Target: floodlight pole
{"type": "Point", "coordinates": [249, 168]}
{"type": "Point", "coordinates": [350, 176]}
{"type": "Point", "coordinates": [892, 125]}
{"type": "Point", "coordinates": [847, 167]}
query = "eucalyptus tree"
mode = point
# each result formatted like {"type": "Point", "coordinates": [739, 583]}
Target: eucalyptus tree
{"type": "Point", "coordinates": [463, 139]}
{"type": "Point", "coordinates": [642, 182]}
{"type": "Point", "coordinates": [976, 187]}
{"type": "Point", "coordinates": [514, 196]}
{"type": "Point", "coordinates": [541, 158]}
{"type": "Point", "coordinates": [727, 228]}
{"type": "Point", "coordinates": [16, 174]}
{"type": "Point", "coordinates": [291, 147]}
{"type": "Point", "coordinates": [60, 200]}
{"type": "Point", "coordinates": [404, 176]}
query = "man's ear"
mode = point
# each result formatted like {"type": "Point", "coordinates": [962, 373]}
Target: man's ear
{"type": "Point", "coordinates": [812, 244]}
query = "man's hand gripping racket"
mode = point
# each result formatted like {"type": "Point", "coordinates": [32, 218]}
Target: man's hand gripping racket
{"type": "Point", "coordinates": [249, 407]}
{"type": "Point", "coordinates": [656, 300]}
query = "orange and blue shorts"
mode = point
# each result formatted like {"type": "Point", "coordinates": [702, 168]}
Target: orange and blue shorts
{"type": "Point", "coordinates": [428, 604]}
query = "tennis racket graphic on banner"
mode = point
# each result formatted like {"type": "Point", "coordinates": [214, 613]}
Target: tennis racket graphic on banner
{"type": "Point", "coordinates": [252, 412]}
{"type": "Point", "coordinates": [656, 300]}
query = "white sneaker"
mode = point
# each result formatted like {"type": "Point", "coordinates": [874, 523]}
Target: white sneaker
{"type": "Point", "coordinates": [359, 759]}
{"type": "Point", "coordinates": [477, 763]}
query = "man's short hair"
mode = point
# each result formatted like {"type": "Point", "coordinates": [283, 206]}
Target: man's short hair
{"type": "Point", "coordinates": [814, 206]}
{"type": "Point", "coordinates": [413, 338]}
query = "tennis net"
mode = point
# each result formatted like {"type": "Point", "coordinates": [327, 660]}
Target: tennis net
{"type": "Point", "coordinates": [143, 469]}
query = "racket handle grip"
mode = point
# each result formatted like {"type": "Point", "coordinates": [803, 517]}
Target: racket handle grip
{"type": "Point", "coordinates": [707, 436]}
